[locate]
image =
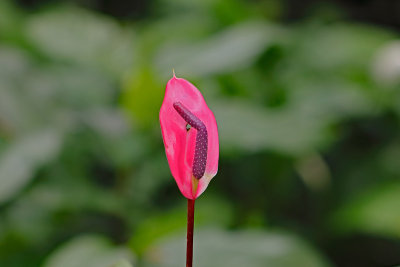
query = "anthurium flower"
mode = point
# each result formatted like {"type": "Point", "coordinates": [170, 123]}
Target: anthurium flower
{"type": "Point", "coordinates": [190, 136]}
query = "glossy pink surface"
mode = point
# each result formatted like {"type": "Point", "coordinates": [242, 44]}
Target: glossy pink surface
{"type": "Point", "coordinates": [180, 143]}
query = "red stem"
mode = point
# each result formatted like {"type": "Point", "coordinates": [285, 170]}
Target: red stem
{"type": "Point", "coordinates": [190, 224]}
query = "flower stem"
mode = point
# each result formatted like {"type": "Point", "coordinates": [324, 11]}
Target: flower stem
{"type": "Point", "coordinates": [190, 224]}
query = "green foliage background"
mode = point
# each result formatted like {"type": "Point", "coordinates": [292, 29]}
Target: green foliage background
{"type": "Point", "coordinates": [308, 115]}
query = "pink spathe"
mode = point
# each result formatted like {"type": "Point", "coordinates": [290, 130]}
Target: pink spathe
{"type": "Point", "coordinates": [180, 140]}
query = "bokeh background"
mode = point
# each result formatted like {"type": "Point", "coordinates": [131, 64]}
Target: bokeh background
{"type": "Point", "coordinates": [307, 98]}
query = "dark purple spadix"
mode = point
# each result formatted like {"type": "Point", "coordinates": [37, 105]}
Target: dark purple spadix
{"type": "Point", "coordinates": [200, 154]}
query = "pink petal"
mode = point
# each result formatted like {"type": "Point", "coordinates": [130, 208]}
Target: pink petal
{"type": "Point", "coordinates": [180, 143]}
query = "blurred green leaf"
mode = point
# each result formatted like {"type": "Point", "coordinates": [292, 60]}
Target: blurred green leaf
{"type": "Point", "coordinates": [73, 88]}
{"type": "Point", "coordinates": [375, 211]}
{"type": "Point", "coordinates": [14, 114]}
{"type": "Point", "coordinates": [210, 211]}
{"type": "Point", "coordinates": [385, 67]}
{"type": "Point", "coordinates": [233, 49]}
{"type": "Point", "coordinates": [300, 126]}
{"type": "Point", "coordinates": [250, 127]}
{"type": "Point", "coordinates": [11, 22]}
{"type": "Point", "coordinates": [156, 227]}
{"type": "Point", "coordinates": [89, 251]}
{"type": "Point", "coordinates": [13, 62]}
{"type": "Point", "coordinates": [142, 97]}
{"type": "Point", "coordinates": [121, 263]}
{"type": "Point", "coordinates": [338, 47]}
{"type": "Point", "coordinates": [145, 188]}
{"type": "Point", "coordinates": [19, 162]}
{"type": "Point", "coordinates": [75, 35]}
{"type": "Point", "coordinates": [242, 248]}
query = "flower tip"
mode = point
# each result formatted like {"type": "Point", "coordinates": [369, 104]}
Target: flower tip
{"type": "Point", "coordinates": [173, 73]}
